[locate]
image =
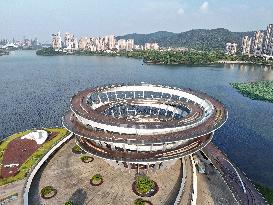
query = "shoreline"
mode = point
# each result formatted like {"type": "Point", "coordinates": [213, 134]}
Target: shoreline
{"type": "Point", "coordinates": [163, 57]}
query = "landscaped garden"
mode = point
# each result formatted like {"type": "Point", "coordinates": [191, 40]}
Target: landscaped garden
{"type": "Point", "coordinates": [34, 157]}
{"type": "Point", "coordinates": [48, 192]}
{"type": "Point", "coordinates": [96, 180]}
{"type": "Point", "coordinates": [144, 186]}
{"type": "Point", "coordinates": [262, 90]}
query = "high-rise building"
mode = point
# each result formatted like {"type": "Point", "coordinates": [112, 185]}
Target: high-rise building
{"type": "Point", "coordinates": [70, 42]}
{"type": "Point", "coordinates": [231, 48]}
{"type": "Point", "coordinates": [56, 41]}
{"type": "Point", "coordinates": [246, 45]}
{"type": "Point", "coordinates": [111, 42]}
{"type": "Point", "coordinates": [258, 43]}
{"type": "Point", "coordinates": [268, 46]}
{"type": "Point", "coordinates": [147, 46]}
{"type": "Point", "coordinates": [122, 44]}
{"type": "Point", "coordinates": [83, 43]}
{"type": "Point", "coordinates": [130, 44]}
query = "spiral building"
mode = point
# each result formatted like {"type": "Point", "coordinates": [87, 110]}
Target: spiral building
{"type": "Point", "coordinates": [143, 126]}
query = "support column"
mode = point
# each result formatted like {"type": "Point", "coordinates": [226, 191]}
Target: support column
{"type": "Point", "coordinates": [137, 168]}
{"type": "Point", "coordinates": [151, 147]}
{"type": "Point", "coordinates": [124, 148]}
{"type": "Point", "coordinates": [164, 146]}
{"type": "Point", "coordinates": [112, 147]}
{"type": "Point", "coordinates": [158, 166]}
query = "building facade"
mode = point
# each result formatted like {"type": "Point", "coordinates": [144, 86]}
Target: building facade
{"type": "Point", "coordinates": [56, 41]}
{"type": "Point", "coordinates": [258, 41]}
{"type": "Point", "coordinates": [246, 45]}
{"type": "Point", "coordinates": [231, 48]}
{"type": "Point", "coordinates": [268, 47]}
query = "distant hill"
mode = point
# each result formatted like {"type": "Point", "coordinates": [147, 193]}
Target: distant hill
{"type": "Point", "coordinates": [200, 39]}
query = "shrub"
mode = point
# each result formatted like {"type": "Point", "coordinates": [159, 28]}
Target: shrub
{"type": "Point", "coordinates": [139, 202]}
{"type": "Point", "coordinates": [47, 190]}
{"type": "Point", "coordinates": [69, 203]}
{"type": "Point", "coordinates": [96, 178]}
{"type": "Point", "coordinates": [87, 158]}
{"type": "Point", "coordinates": [144, 184]}
{"type": "Point", "coordinates": [77, 150]}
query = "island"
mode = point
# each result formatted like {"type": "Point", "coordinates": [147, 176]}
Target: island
{"type": "Point", "coordinates": [261, 90]}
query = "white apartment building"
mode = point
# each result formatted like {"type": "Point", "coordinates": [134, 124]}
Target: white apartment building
{"type": "Point", "coordinates": [258, 43]}
{"type": "Point", "coordinates": [130, 44]}
{"type": "Point", "coordinates": [70, 42]}
{"type": "Point", "coordinates": [151, 46]}
{"type": "Point", "coordinates": [268, 46]}
{"type": "Point", "coordinates": [110, 41]}
{"type": "Point", "coordinates": [57, 41]}
{"type": "Point", "coordinates": [231, 48]}
{"type": "Point", "coordinates": [246, 45]}
{"type": "Point", "coordinates": [121, 44]}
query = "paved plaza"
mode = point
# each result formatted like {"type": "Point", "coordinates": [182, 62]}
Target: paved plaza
{"type": "Point", "coordinates": [70, 176]}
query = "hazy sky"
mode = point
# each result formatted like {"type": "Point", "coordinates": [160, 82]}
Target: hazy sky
{"type": "Point", "coordinates": [41, 18]}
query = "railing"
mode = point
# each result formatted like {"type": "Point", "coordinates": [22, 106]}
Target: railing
{"type": "Point", "coordinates": [179, 195]}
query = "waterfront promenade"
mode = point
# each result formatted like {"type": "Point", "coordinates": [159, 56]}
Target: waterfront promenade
{"type": "Point", "coordinates": [242, 188]}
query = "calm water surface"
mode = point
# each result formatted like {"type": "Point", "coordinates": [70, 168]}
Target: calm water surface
{"type": "Point", "coordinates": [35, 92]}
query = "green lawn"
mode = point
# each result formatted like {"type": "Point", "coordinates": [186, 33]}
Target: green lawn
{"type": "Point", "coordinates": [34, 158]}
{"type": "Point", "coordinates": [261, 90]}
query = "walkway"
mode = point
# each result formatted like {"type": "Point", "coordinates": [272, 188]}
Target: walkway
{"type": "Point", "coordinates": [13, 188]}
{"type": "Point", "coordinates": [242, 188]}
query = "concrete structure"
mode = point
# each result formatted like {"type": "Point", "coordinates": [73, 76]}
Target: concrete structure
{"type": "Point", "coordinates": [231, 48]}
{"type": "Point", "coordinates": [143, 126]}
{"type": "Point", "coordinates": [246, 45]}
{"type": "Point", "coordinates": [39, 136]}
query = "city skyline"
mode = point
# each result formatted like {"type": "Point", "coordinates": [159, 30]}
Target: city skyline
{"type": "Point", "coordinates": [98, 18]}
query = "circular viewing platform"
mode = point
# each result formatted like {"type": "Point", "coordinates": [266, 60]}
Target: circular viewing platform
{"type": "Point", "coordinates": [143, 124]}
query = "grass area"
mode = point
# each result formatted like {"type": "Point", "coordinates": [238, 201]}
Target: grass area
{"type": "Point", "coordinates": [266, 192]}
{"type": "Point", "coordinates": [35, 157]}
{"type": "Point", "coordinates": [261, 90]}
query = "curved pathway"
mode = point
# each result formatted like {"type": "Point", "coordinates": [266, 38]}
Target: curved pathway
{"type": "Point", "coordinates": [242, 188]}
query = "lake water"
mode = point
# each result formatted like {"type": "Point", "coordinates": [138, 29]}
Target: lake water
{"type": "Point", "coordinates": [35, 92]}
